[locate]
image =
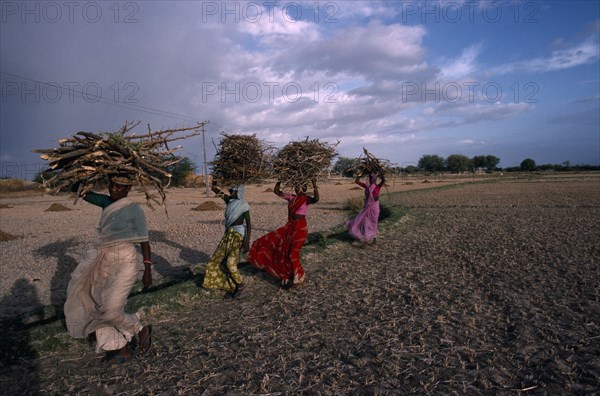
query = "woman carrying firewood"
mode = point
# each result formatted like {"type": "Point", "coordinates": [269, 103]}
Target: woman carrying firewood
{"type": "Point", "coordinates": [278, 252]}
{"type": "Point", "coordinates": [364, 226]}
{"type": "Point", "coordinates": [99, 286]}
{"type": "Point", "coordinates": [222, 269]}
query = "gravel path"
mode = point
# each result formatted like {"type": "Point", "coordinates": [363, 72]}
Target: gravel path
{"type": "Point", "coordinates": [478, 289]}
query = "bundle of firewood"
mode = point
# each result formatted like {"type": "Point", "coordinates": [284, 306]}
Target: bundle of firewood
{"type": "Point", "coordinates": [368, 163]}
{"type": "Point", "coordinates": [86, 158]}
{"type": "Point", "coordinates": [240, 159]}
{"type": "Point", "coordinates": [299, 162]}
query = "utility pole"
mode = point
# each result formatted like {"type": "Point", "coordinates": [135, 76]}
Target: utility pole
{"type": "Point", "coordinates": [205, 164]}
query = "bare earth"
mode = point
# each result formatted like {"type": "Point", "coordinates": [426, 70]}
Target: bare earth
{"type": "Point", "coordinates": [49, 242]}
{"type": "Point", "coordinates": [481, 288]}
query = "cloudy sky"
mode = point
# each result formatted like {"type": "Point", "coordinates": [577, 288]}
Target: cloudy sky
{"type": "Point", "coordinates": [514, 79]}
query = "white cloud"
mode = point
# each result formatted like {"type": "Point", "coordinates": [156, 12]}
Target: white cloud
{"type": "Point", "coordinates": [584, 53]}
{"type": "Point", "coordinates": [360, 62]}
{"type": "Point", "coordinates": [464, 65]}
{"type": "Point", "coordinates": [471, 142]}
{"type": "Point", "coordinates": [279, 32]}
{"type": "Point", "coordinates": [371, 51]}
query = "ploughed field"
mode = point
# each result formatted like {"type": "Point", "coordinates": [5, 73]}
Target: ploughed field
{"type": "Point", "coordinates": [478, 288]}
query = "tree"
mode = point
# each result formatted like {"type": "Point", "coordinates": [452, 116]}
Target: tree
{"type": "Point", "coordinates": [343, 166]}
{"type": "Point", "coordinates": [491, 162]}
{"type": "Point", "coordinates": [44, 174]}
{"type": "Point", "coordinates": [488, 162]}
{"type": "Point", "coordinates": [528, 165]}
{"type": "Point", "coordinates": [180, 170]}
{"type": "Point", "coordinates": [458, 163]}
{"type": "Point", "coordinates": [431, 163]}
{"type": "Point", "coordinates": [479, 161]}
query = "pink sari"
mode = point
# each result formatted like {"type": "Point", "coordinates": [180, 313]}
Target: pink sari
{"type": "Point", "coordinates": [364, 226]}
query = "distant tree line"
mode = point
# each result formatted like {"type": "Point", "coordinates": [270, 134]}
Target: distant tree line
{"type": "Point", "coordinates": [529, 165]}
{"type": "Point", "coordinates": [458, 163]}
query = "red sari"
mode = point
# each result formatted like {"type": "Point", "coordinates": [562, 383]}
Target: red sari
{"type": "Point", "coordinates": [278, 252]}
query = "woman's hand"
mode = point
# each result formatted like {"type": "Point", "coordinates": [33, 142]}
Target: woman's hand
{"type": "Point", "coordinates": [315, 198]}
{"type": "Point", "coordinates": [277, 189]}
{"type": "Point", "coordinates": [147, 255]}
{"type": "Point", "coordinates": [147, 277]}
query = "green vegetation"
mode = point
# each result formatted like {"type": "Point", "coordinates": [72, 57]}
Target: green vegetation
{"type": "Point", "coordinates": [343, 166]}
{"type": "Point", "coordinates": [488, 162]}
{"type": "Point", "coordinates": [45, 174]}
{"type": "Point", "coordinates": [528, 165]}
{"type": "Point", "coordinates": [354, 205]}
{"type": "Point", "coordinates": [180, 170]}
{"type": "Point", "coordinates": [458, 163]}
{"type": "Point", "coordinates": [15, 185]}
{"type": "Point", "coordinates": [431, 163]}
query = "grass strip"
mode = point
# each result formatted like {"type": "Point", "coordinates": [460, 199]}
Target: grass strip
{"type": "Point", "coordinates": [175, 293]}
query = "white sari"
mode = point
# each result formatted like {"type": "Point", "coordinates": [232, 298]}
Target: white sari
{"type": "Point", "coordinates": [100, 284]}
{"type": "Point", "coordinates": [234, 209]}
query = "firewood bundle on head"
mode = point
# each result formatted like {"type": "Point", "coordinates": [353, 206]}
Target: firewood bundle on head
{"type": "Point", "coordinates": [368, 163]}
{"type": "Point", "coordinates": [299, 162]}
{"type": "Point", "coordinates": [87, 158]}
{"type": "Point", "coordinates": [239, 159]}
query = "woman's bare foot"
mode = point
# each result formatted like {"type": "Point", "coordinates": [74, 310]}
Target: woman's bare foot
{"type": "Point", "coordinates": [118, 356]}
{"type": "Point", "coordinates": [145, 339]}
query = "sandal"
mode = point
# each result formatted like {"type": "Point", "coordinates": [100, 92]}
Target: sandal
{"type": "Point", "coordinates": [145, 343]}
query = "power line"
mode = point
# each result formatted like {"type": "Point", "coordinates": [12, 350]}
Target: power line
{"type": "Point", "coordinates": [210, 127]}
{"type": "Point", "coordinates": [102, 99]}
{"type": "Point", "coordinates": [131, 106]}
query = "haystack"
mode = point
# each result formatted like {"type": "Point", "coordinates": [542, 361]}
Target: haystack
{"type": "Point", "coordinates": [88, 157]}
{"type": "Point", "coordinates": [299, 162]}
{"type": "Point", "coordinates": [207, 206]}
{"type": "Point", "coordinates": [56, 207]}
{"type": "Point", "coordinates": [5, 236]}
